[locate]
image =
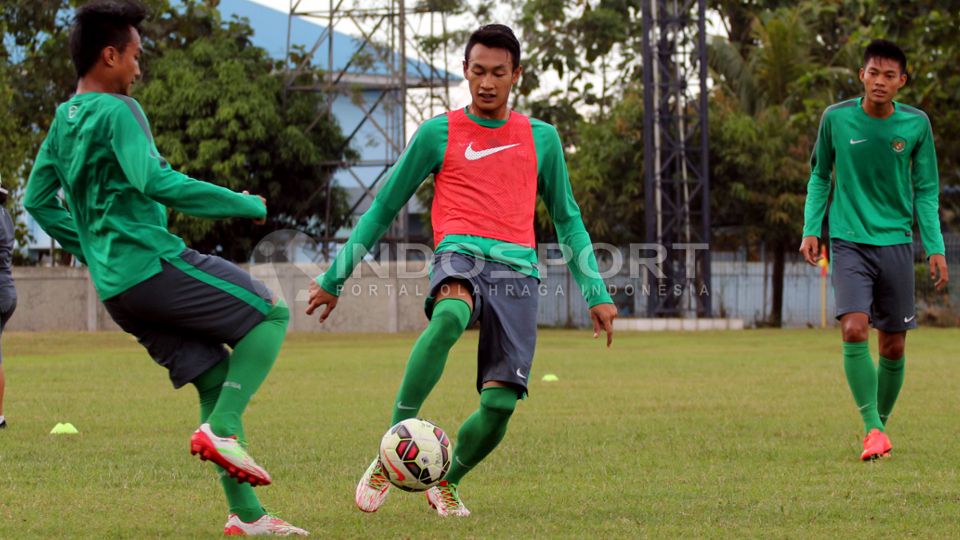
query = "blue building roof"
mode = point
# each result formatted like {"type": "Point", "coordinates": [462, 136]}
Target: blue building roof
{"type": "Point", "coordinates": [270, 32]}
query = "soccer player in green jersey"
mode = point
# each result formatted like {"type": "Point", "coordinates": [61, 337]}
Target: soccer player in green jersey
{"type": "Point", "coordinates": [886, 173]}
{"type": "Point", "coordinates": [181, 305]}
{"type": "Point", "coordinates": [489, 165]}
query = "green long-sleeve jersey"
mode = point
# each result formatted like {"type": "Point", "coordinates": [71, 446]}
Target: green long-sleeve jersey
{"type": "Point", "coordinates": [424, 156]}
{"type": "Point", "coordinates": [886, 172]}
{"type": "Point", "coordinates": [100, 152]}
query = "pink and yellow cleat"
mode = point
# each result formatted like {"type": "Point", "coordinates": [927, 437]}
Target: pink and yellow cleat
{"type": "Point", "coordinates": [445, 499]}
{"type": "Point", "coordinates": [228, 453]}
{"type": "Point", "coordinates": [373, 488]}
{"type": "Point", "coordinates": [267, 525]}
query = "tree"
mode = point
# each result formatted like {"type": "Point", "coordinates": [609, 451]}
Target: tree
{"type": "Point", "coordinates": [606, 171]}
{"type": "Point", "coordinates": [215, 102]}
{"type": "Point", "coordinates": [219, 113]}
{"type": "Point", "coordinates": [764, 110]}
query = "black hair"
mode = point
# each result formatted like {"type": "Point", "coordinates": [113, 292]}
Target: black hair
{"type": "Point", "coordinates": [881, 48]}
{"type": "Point", "coordinates": [495, 36]}
{"type": "Point", "coordinates": [101, 24]}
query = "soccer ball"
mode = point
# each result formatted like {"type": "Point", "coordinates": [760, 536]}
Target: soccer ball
{"type": "Point", "coordinates": [415, 454]}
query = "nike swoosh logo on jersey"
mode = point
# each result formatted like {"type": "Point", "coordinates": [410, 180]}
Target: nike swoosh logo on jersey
{"type": "Point", "coordinates": [473, 155]}
{"type": "Point", "coordinates": [521, 375]}
{"type": "Point", "coordinates": [908, 319]}
{"type": "Point", "coordinates": [857, 141]}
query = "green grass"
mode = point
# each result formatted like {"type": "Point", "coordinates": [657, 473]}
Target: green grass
{"type": "Point", "coordinates": [741, 434]}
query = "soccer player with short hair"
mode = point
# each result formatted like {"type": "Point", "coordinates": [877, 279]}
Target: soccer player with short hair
{"type": "Point", "coordinates": [886, 173]}
{"type": "Point", "coordinates": [181, 305]}
{"type": "Point", "coordinates": [489, 164]}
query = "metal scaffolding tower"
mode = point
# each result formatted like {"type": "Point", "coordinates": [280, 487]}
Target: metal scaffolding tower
{"type": "Point", "coordinates": [388, 74]}
{"type": "Point", "coordinates": [677, 183]}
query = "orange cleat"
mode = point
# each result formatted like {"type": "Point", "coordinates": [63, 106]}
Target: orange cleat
{"type": "Point", "coordinates": [875, 445]}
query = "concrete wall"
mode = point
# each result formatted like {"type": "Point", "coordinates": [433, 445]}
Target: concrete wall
{"type": "Point", "coordinates": [63, 299]}
{"type": "Point", "coordinates": [379, 300]}
{"type": "Point", "coordinates": [374, 299]}
{"type": "Point", "coordinates": [57, 299]}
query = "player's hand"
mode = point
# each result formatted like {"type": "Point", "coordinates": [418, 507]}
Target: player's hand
{"type": "Point", "coordinates": [938, 271]}
{"type": "Point", "coordinates": [602, 316]}
{"type": "Point", "coordinates": [810, 249]}
{"type": "Point", "coordinates": [320, 297]}
{"type": "Point", "coordinates": [258, 221]}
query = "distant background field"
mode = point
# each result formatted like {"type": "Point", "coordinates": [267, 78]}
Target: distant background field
{"type": "Point", "coordinates": [742, 434]}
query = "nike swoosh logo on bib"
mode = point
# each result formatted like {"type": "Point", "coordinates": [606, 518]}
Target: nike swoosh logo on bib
{"type": "Point", "coordinates": [473, 155]}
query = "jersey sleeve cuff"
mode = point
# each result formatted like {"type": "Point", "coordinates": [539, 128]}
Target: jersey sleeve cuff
{"type": "Point", "coordinates": [331, 288]}
{"type": "Point", "coordinates": [596, 296]}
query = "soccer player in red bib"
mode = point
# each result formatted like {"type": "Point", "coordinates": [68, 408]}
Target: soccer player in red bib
{"type": "Point", "coordinates": [489, 165]}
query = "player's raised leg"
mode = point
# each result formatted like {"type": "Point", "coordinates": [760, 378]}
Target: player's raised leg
{"type": "Point", "coordinates": [209, 296]}
{"type": "Point", "coordinates": [248, 366]}
{"type": "Point", "coordinates": [247, 516]}
{"type": "Point", "coordinates": [448, 319]}
{"type": "Point", "coordinates": [451, 313]}
{"type": "Point", "coordinates": [241, 497]}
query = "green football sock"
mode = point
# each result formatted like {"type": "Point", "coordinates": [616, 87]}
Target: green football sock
{"type": "Point", "coordinates": [429, 355]}
{"type": "Point", "coordinates": [862, 378]}
{"type": "Point", "coordinates": [483, 431]}
{"type": "Point", "coordinates": [240, 497]}
{"type": "Point", "coordinates": [889, 382]}
{"type": "Point", "coordinates": [249, 364]}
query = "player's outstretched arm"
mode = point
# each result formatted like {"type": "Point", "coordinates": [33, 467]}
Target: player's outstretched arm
{"type": "Point", "coordinates": [42, 203]}
{"type": "Point", "coordinates": [557, 195]}
{"type": "Point", "coordinates": [422, 157]}
{"type": "Point", "coordinates": [146, 169]}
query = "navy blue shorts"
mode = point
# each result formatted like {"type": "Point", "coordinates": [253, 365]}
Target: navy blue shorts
{"type": "Point", "coordinates": [876, 280]}
{"type": "Point", "coordinates": [185, 314]}
{"type": "Point", "coordinates": [504, 303]}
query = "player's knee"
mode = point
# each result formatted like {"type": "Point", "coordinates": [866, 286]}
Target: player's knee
{"type": "Point", "coordinates": [499, 401]}
{"type": "Point", "coordinates": [446, 326]}
{"type": "Point", "coordinates": [855, 329]}
{"type": "Point", "coordinates": [892, 351]}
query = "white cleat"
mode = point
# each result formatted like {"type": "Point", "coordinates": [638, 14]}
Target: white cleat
{"type": "Point", "coordinates": [446, 500]}
{"type": "Point", "coordinates": [267, 525]}
{"type": "Point", "coordinates": [373, 488]}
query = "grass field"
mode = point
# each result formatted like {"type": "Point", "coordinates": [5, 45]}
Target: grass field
{"type": "Point", "coordinates": [742, 434]}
